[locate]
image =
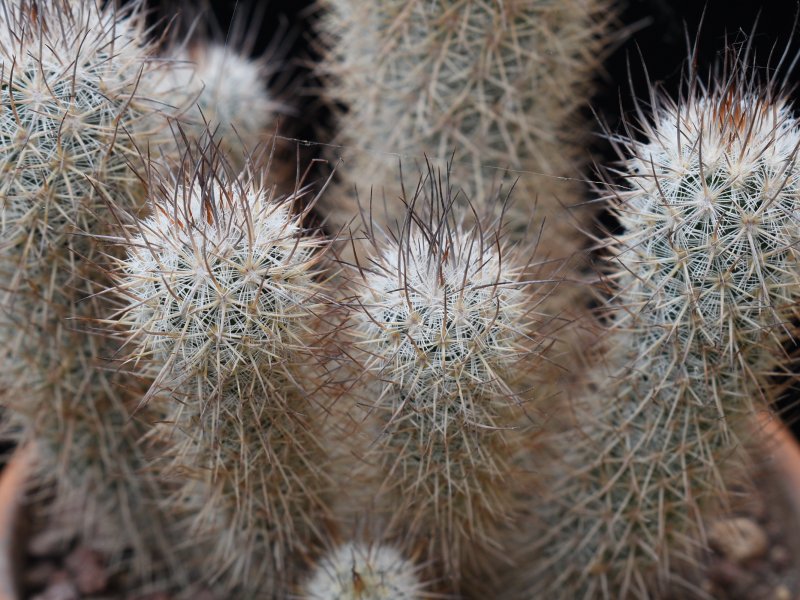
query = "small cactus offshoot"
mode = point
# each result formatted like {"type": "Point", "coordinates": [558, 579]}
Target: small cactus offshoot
{"type": "Point", "coordinates": [357, 571]}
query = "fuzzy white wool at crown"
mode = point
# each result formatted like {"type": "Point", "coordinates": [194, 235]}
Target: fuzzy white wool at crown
{"type": "Point", "coordinates": [712, 213]}
{"type": "Point", "coordinates": [219, 281]}
{"type": "Point", "coordinates": [438, 324]}
{"type": "Point", "coordinates": [361, 572]}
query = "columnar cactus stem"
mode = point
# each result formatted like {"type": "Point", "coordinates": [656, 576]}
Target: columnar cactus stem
{"type": "Point", "coordinates": [498, 84]}
{"type": "Point", "coordinates": [446, 328]}
{"type": "Point", "coordinates": [76, 108]}
{"type": "Point", "coordinates": [225, 304]}
{"type": "Point", "coordinates": [707, 278]}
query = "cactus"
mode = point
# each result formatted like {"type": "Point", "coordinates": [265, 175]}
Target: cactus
{"type": "Point", "coordinates": [356, 571]}
{"type": "Point", "coordinates": [227, 95]}
{"type": "Point", "coordinates": [446, 328]}
{"type": "Point", "coordinates": [76, 108]}
{"type": "Point", "coordinates": [224, 302]}
{"type": "Point", "coordinates": [498, 84]}
{"type": "Point", "coordinates": [219, 461]}
{"type": "Point", "coordinates": [707, 278]}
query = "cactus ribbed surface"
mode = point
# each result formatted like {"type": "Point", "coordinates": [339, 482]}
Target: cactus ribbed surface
{"type": "Point", "coordinates": [707, 279]}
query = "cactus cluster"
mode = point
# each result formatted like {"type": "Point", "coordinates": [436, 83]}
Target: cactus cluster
{"type": "Point", "coordinates": [183, 348]}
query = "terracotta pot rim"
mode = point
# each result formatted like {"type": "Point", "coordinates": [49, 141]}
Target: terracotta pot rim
{"type": "Point", "coordinates": [12, 521]}
{"type": "Point", "coordinates": [783, 453]}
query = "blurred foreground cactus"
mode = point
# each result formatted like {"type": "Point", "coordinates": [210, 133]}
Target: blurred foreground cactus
{"type": "Point", "coordinates": [253, 415]}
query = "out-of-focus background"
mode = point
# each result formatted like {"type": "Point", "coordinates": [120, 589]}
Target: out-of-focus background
{"type": "Point", "coordinates": [651, 31]}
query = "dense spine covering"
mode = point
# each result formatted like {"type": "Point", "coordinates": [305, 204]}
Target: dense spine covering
{"type": "Point", "coordinates": [356, 571]}
{"type": "Point", "coordinates": [707, 278]}
{"type": "Point", "coordinates": [226, 94]}
{"type": "Point", "coordinates": [76, 108]}
{"type": "Point", "coordinates": [498, 85]}
{"type": "Point", "coordinates": [448, 333]}
{"type": "Point", "coordinates": [224, 302]}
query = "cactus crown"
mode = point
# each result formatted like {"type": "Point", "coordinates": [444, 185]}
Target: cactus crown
{"type": "Point", "coordinates": [226, 93]}
{"type": "Point", "coordinates": [233, 93]}
{"type": "Point", "coordinates": [221, 277]}
{"type": "Point", "coordinates": [442, 314]}
{"type": "Point", "coordinates": [710, 215]}
{"type": "Point", "coordinates": [72, 85]}
{"type": "Point", "coordinates": [226, 88]}
{"type": "Point", "coordinates": [355, 571]}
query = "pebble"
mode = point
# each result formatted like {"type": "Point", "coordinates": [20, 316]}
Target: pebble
{"type": "Point", "coordinates": [47, 543]}
{"type": "Point", "coordinates": [724, 573]}
{"type": "Point", "coordinates": [738, 539]}
{"type": "Point", "coordinates": [782, 593]}
{"type": "Point", "coordinates": [39, 574]}
{"type": "Point", "coordinates": [779, 557]}
{"type": "Point", "coordinates": [87, 567]}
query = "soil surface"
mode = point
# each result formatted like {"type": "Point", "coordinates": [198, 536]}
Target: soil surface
{"type": "Point", "coordinates": [754, 555]}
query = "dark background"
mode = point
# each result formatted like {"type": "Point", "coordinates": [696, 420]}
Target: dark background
{"type": "Point", "coordinates": [650, 33]}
